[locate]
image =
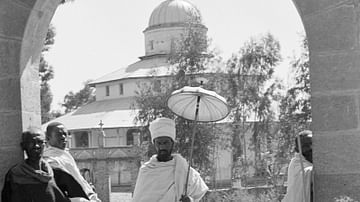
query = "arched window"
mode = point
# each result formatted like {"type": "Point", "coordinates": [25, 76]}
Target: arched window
{"type": "Point", "coordinates": [157, 86]}
{"type": "Point", "coordinates": [131, 134]}
{"type": "Point", "coordinates": [129, 139]}
{"type": "Point", "coordinates": [81, 139]}
{"type": "Point", "coordinates": [107, 90]}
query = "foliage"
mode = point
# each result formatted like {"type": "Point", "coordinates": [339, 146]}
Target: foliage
{"type": "Point", "coordinates": [189, 55]}
{"type": "Point", "coordinates": [295, 108]}
{"type": "Point", "coordinates": [344, 199]}
{"type": "Point", "coordinates": [46, 73]}
{"type": "Point", "coordinates": [236, 195]}
{"type": "Point", "coordinates": [55, 114]}
{"type": "Point", "coordinates": [84, 96]}
{"type": "Point", "coordinates": [295, 114]}
{"type": "Point", "coordinates": [188, 58]}
{"type": "Point", "coordinates": [252, 91]}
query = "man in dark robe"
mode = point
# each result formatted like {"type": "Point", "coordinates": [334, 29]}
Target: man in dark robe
{"type": "Point", "coordinates": [33, 179]}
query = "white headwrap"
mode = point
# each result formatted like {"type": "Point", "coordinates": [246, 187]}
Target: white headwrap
{"type": "Point", "coordinates": [162, 127]}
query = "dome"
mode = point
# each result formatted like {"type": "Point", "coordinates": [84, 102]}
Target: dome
{"type": "Point", "coordinates": [174, 11]}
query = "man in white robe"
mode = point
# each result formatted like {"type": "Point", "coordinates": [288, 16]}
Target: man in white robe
{"type": "Point", "coordinates": [296, 184]}
{"type": "Point", "coordinates": [58, 156]}
{"type": "Point", "coordinates": [163, 177]}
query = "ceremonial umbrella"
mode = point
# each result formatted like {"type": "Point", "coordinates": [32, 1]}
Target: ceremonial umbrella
{"type": "Point", "coordinates": [199, 105]}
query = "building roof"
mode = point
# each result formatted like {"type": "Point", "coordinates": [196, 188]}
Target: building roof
{"type": "Point", "coordinates": [149, 67]}
{"type": "Point", "coordinates": [114, 113]}
{"type": "Point", "coordinates": [174, 11]}
{"type": "Point", "coordinates": [156, 66]}
{"type": "Point", "coordinates": [106, 105]}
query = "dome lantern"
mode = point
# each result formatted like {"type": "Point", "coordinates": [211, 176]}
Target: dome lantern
{"type": "Point", "coordinates": [172, 12]}
{"type": "Point", "coordinates": [168, 22]}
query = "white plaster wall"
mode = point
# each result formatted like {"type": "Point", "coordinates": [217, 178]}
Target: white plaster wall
{"type": "Point", "coordinates": [115, 137]}
{"type": "Point", "coordinates": [130, 86]}
{"type": "Point", "coordinates": [223, 163]}
{"type": "Point", "coordinates": [161, 39]}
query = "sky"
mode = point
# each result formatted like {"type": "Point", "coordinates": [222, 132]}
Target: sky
{"type": "Point", "coordinates": [96, 37]}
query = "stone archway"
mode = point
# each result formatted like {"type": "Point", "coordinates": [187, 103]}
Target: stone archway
{"type": "Point", "coordinates": [332, 28]}
{"type": "Point", "coordinates": [23, 27]}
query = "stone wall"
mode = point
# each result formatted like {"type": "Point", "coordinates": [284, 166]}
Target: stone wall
{"type": "Point", "coordinates": [332, 28]}
{"type": "Point", "coordinates": [102, 162]}
{"type": "Point", "coordinates": [23, 27]}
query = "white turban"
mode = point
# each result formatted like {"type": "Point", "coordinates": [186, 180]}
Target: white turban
{"type": "Point", "coordinates": [162, 127]}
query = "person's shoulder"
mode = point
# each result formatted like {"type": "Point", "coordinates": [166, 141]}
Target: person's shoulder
{"type": "Point", "coordinates": [152, 160]}
{"type": "Point", "coordinates": [308, 168]}
{"type": "Point", "coordinates": [53, 162]}
{"type": "Point", "coordinates": [194, 172]}
{"type": "Point", "coordinates": [11, 171]}
{"type": "Point", "coordinates": [146, 164]}
{"type": "Point", "coordinates": [179, 157]}
{"type": "Point", "coordinates": [55, 152]}
{"type": "Point", "coordinates": [16, 168]}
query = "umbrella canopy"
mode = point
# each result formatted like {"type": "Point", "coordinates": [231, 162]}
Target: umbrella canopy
{"type": "Point", "coordinates": [211, 106]}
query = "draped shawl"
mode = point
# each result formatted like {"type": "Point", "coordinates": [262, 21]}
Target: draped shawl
{"type": "Point", "coordinates": [165, 181]}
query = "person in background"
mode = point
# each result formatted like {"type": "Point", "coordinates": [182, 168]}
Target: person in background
{"type": "Point", "coordinates": [296, 184]}
{"type": "Point", "coordinates": [85, 172]}
{"type": "Point", "coordinates": [162, 178]}
{"type": "Point", "coordinates": [33, 179]}
{"type": "Point", "coordinates": [59, 158]}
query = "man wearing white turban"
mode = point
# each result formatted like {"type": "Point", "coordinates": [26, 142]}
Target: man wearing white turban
{"type": "Point", "coordinates": [162, 178]}
{"type": "Point", "coordinates": [300, 177]}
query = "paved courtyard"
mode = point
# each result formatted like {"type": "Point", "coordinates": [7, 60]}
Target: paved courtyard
{"type": "Point", "coordinates": [120, 197]}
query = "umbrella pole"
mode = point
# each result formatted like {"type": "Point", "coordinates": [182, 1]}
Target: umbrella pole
{"type": "Point", "coordinates": [192, 142]}
{"type": "Point", "coordinates": [302, 166]}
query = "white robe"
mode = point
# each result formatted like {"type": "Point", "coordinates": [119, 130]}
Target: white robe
{"type": "Point", "coordinates": [62, 159]}
{"type": "Point", "coordinates": [294, 191]}
{"type": "Point", "coordinates": [165, 181]}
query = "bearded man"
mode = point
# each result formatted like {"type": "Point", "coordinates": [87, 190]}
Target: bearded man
{"type": "Point", "coordinates": [163, 177]}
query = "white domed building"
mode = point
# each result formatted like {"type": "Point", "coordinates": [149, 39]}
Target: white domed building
{"type": "Point", "coordinates": [112, 114]}
{"type": "Point", "coordinates": [168, 22]}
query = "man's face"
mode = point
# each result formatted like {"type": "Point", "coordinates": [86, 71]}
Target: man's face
{"type": "Point", "coordinates": [58, 137]}
{"type": "Point", "coordinates": [307, 148]}
{"type": "Point", "coordinates": [33, 145]}
{"type": "Point", "coordinates": [163, 146]}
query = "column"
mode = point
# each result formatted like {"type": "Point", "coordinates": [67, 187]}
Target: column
{"type": "Point", "coordinates": [332, 28]}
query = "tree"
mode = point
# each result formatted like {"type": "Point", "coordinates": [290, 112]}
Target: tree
{"type": "Point", "coordinates": [295, 108]}
{"type": "Point", "coordinates": [252, 91]}
{"type": "Point", "coordinates": [189, 57]}
{"type": "Point", "coordinates": [295, 115]}
{"type": "Point", "coordinates": [84, 96]}
{"type": "Point", "coordinates": [46, 73]}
